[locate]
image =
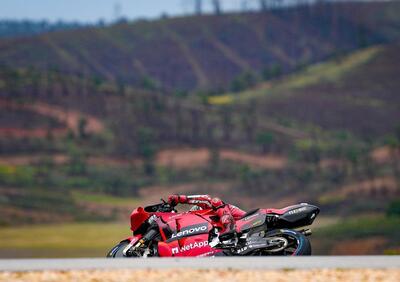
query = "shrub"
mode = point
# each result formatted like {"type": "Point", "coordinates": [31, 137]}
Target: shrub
{"type": "Point", "coordinates": [394, 208]}
{"type": "Point", "coordinates": [272, 71]}
{"type": "Point", "coordinates": [265, 139]}
{"type": "Point", "coordinates": [243, 81]}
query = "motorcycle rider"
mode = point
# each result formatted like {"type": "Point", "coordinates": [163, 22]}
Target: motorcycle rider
{"type": "Point", "coordinates": [227, 213]}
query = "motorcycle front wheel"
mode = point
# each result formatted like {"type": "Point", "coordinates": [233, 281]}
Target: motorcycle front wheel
{"type": "Point", "coordinates": [117, 251]}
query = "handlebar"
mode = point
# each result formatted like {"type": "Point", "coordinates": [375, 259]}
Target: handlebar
{"type": "Point", "coordinates": [165, 207]}
{"type": "Point", "coordinates": [162, 207]}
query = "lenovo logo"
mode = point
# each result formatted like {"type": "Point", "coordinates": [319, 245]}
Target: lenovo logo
{"type": "Point", "coordinates": [189, 231]}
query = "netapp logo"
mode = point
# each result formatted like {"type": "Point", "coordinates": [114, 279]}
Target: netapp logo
{"type": "Point", "coordinates": [189, 247]}
{"type": "Point", "coordinates": [190, 231]}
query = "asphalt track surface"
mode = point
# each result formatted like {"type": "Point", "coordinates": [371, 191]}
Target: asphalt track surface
{"type": "Point", "coordinates": [264, 263]}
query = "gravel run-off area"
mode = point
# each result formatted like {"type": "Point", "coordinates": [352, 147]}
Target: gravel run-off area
{"type": "Point", "coordinates": [323, 275]}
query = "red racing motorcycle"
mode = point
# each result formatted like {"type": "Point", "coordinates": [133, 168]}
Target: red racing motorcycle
{"type": "Point", "coordinates": [160, 231]}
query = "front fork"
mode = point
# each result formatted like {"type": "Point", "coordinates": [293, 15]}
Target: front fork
{"type": "Point", "coordinates": [142, 243]}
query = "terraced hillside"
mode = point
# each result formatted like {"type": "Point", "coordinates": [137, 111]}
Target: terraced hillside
{"type": "Point", "coordinates": [364, 100]}
{"type": "Point", "coordinates": [355, 94]}
{"type": "Point", "coordinates": [149, 144]}
{"type": "Point", "coordinates": [207, 52]}
{"type": "Point", "coordinates": [87, 129]}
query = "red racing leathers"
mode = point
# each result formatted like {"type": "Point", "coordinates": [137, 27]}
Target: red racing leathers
{"type": "Point", "coordinates": [227, 213]}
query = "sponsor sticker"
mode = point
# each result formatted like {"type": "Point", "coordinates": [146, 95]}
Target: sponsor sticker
{"type": "Point", "coordinates": [189, 247]}
{"type": "Point", "coordinates": [250, 217]}
{"type": "Point", "coordinates": [297, 210]}
{"type": "Point", "coordinates": [189, 231]}
{"type": "Point", "coordinates": [242, 250]}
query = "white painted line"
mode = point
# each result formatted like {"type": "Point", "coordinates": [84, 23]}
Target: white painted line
{"type": "Point", "coordinates": [260, 263]}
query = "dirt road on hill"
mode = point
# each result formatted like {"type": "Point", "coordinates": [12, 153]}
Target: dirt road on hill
{"type": "Point", "coordinates": [71, 119]}
{"type": "Point", "coordinates": [186, 158]}
{"type": "Point", "coordinates": [191, 158]}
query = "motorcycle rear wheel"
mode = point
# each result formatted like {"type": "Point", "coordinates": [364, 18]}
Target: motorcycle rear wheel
{"type": "Point", "coordinates": [298, 244]}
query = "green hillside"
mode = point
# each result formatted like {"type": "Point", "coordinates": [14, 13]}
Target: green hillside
{"type": "Point", "coordinates": [356, 93]}
{"type": "Point", "coordinates": [318, 160]}
{"type": "Point", "coordinates": [207, 52]}
{"type": "Point", "coordinates": [96, 121]}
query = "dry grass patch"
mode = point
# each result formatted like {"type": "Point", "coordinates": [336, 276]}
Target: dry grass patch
{"type": "Point", "coordinates": [206, 275]}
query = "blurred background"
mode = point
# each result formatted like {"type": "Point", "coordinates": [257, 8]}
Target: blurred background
{"type": "Point", "coordinates": [106, 105]}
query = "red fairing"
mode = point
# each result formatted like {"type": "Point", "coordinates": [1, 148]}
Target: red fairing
{"type": "Point", "coordinates": [185, 234]}
{"type": "Point", "coordinates": [186, 247]}
{"type": "Point", "coordinates": [190, 234]}
{"type": "Point", "coordinates": [164, 250]}
{"type": "Point", "coordinates": [138, 217]}
{"type": "Point", "coordinates": [159, 230]}
{"type": "Point", "coordinates": [192, 246]}
{"type": "Point", "coordinates": [277, 211]}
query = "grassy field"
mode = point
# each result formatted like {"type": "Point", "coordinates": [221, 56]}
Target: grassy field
{"type": "Point", "coordinates": [95, 239]}
{"type": "Point", "coordinates": [63, 240]}
{"type": "Point", "coordinates": [105, 199]}
{"type": "Point", "coordinates": [360, 227]}
{"type": "Point", "coordinates": [372, 234]}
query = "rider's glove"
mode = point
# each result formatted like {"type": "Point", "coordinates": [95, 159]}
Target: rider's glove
{"type": "Point", "coordinates": [173, 200]}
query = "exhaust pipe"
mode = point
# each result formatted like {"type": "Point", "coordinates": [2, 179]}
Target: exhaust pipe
{"type": "Point", "coordinates": [306, 232]}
